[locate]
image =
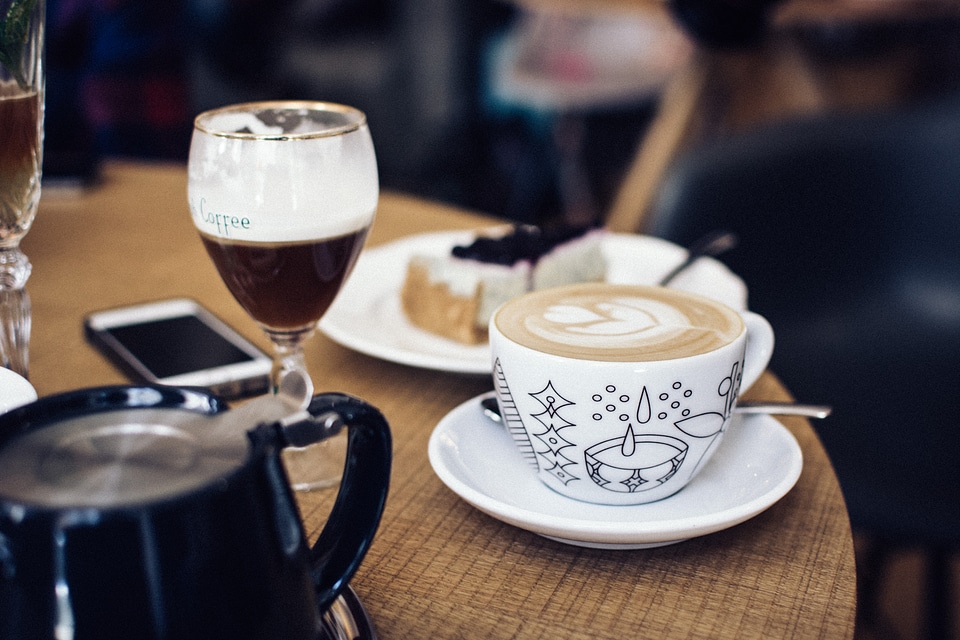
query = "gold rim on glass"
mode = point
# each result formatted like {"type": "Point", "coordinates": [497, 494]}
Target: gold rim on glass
{"type": "Point", "coordinates": [355, 119]}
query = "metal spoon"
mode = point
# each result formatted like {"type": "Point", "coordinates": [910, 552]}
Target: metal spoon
{"type": "Point", "coordinates": [492, 409]}
{"type": "Point", "coordinates": [712, 244]}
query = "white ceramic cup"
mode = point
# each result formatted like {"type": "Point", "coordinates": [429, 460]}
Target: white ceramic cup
{"type": "Point", "coordinates": [619, 394]}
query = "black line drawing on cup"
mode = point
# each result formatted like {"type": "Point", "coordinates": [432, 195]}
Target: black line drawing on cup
{"type": "Point", "coordinates": [632, 462]}
{"type": "Point", "coordinates": [552, 420]}
{"type": "Point", "coordinates": [511, 417]}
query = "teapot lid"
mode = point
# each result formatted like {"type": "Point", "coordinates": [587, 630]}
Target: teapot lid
{"type": "Point", "coordinates": [115, 456]}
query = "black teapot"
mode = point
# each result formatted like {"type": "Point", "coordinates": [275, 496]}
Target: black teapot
{"type": "Point", "coordinates": [147, 512]}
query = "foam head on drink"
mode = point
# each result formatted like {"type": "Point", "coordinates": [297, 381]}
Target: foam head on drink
{"type": "Point", "coordinates": [618, 323]}
{"type": "Point", "coordinates": [255, 181]}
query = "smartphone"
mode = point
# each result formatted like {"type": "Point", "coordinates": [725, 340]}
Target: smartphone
{"type": "Point", "coordinates": [179, 343]}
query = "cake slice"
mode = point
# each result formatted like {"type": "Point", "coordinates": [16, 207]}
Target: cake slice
{"type": "Point", "coordinates": [455, 295]}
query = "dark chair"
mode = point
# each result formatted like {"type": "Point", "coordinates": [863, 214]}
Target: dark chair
{"type": "Point", "coordinates": [850, 245]}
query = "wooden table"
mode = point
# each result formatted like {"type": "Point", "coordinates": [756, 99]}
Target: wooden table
{"type": "Point", "coordinates": [439, 568]}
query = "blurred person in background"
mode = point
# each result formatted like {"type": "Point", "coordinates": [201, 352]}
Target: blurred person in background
{"type": "Point", "coordinates": [118, 77]}
{"type": "Point", "coordinates": [121, 73]}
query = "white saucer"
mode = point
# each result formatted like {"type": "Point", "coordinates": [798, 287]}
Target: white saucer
{"type": "Point", "coordinates": [367, 317]}
{"type": "Point", "coordinates": [758, 462]}
{"type": "Point", "coordinates": [14, 390]}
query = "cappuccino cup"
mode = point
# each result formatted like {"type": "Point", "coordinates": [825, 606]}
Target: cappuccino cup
{"type": "Point", "coordinates": [620, 394]}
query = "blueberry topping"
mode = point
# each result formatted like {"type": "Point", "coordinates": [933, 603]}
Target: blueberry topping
{"type": "Point", "coordinates": [525, 242]}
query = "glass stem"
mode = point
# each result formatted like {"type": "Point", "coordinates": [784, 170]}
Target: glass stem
{"type": "Point", "coordinates": [288, 356]}
{"type": "Point", "coordinates": [15, 314]}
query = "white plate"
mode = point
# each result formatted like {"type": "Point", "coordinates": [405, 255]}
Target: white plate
{"type": "Point", "coordinates": [367, 316]}
{"type": "Point", "coordinates": [14, 390]}
{"type": "Point", "coordinates": [757, 463]}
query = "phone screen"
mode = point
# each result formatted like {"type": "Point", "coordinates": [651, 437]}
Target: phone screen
{"type": "Point", "coordinates": [179, 345]}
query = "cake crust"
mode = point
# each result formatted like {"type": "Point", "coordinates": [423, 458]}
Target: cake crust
{"type": "Point", "coordinates": [432, 306]}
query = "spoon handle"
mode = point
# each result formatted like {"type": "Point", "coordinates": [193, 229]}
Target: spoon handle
{"type": "Point", "coordinates": [492, 409]}
{"type": "Point", "coordinates": [712, 244]}
{"type": "Point", "coordinates": [785, 409]}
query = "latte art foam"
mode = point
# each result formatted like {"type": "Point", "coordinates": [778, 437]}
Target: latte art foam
{"type": "Point", "coordinates": [618, 323]}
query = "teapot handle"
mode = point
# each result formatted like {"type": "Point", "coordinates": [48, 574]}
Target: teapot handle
{"type": "Point", "coordinates": [352, 523]}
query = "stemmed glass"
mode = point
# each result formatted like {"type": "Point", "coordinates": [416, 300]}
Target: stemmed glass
{"type": "Point", "coordinates": [283, 194]}
{"type": "Point", "coordinates": [21, 158]}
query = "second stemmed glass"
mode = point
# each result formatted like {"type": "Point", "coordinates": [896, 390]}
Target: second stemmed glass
{"type": "Point", "coordinates": [283, 195]}
{"type": "Point", "coordinates": [21, 158]}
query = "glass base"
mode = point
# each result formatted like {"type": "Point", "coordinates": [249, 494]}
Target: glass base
{"type": "Point", "coordinates": [318, 466]}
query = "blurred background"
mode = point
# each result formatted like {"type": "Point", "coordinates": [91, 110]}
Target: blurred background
{"type": "Point", "coordinates": [528, 110]}
{"type": "Point", "coordinates": [557, 111]}
{"type": "Point", "coordinates": [524, 111]}
{"type": "Point", "coordinates": [126, 78]}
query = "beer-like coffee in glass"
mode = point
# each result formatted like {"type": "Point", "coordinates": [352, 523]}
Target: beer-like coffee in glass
{"type": "Point", "coordinates": [283, 195]}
